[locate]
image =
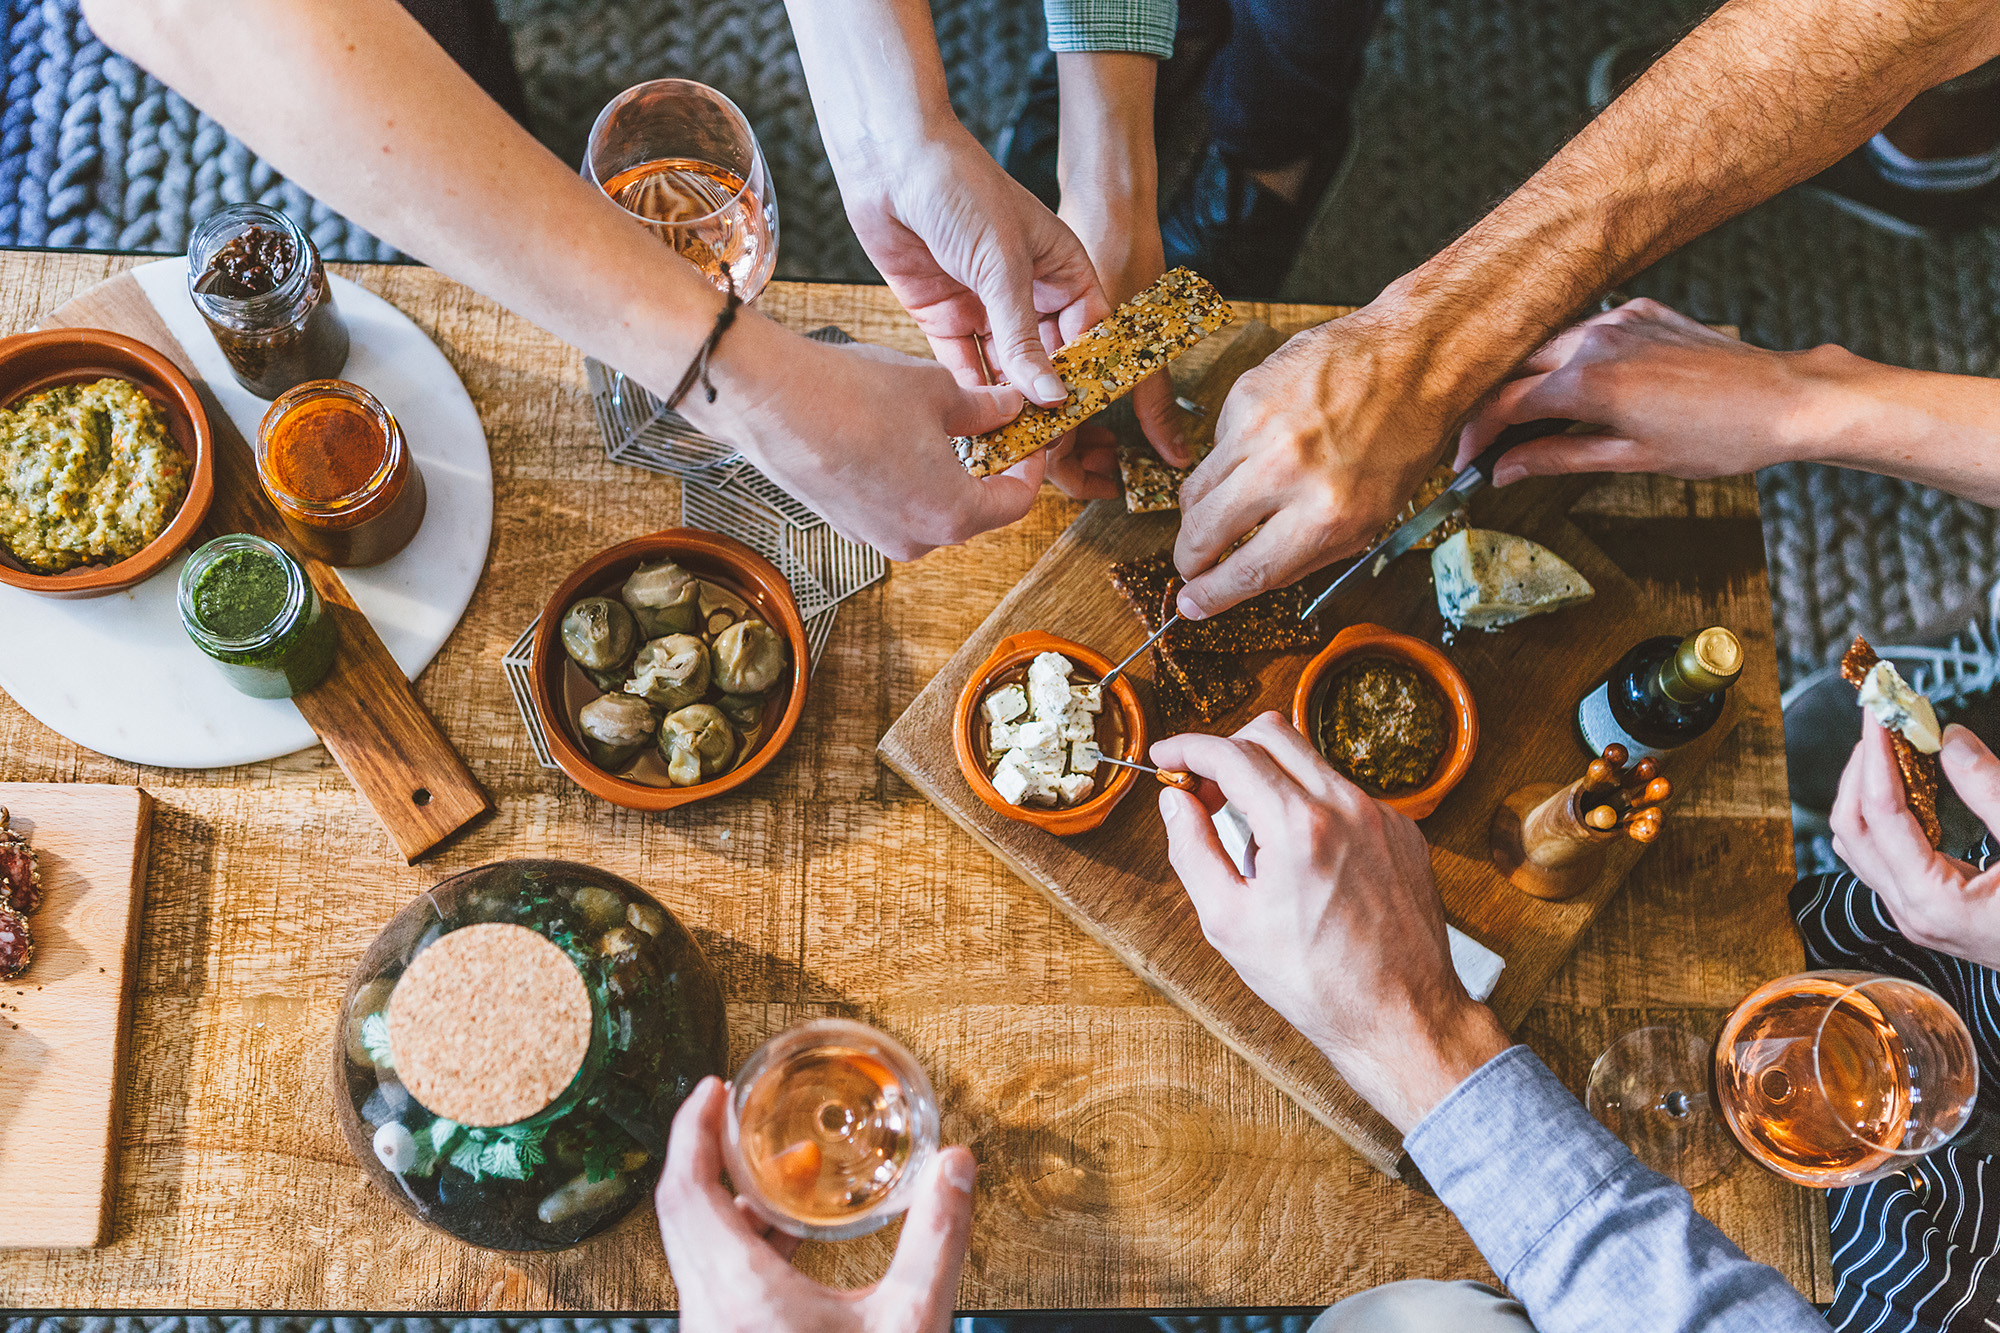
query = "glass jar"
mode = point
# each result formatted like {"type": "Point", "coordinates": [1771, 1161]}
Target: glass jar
{"type": "Point", "coordinates": [247, 604]}
{"type": "Point", "coordinates": [257, 279]}
{"type": "Point", "coordinates": [334, 462]}
{"type": "Point", "coordinates": [586, 1014]}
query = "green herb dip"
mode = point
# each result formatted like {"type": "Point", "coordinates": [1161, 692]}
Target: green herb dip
{"type": "Point", "coordinates": [237, 606]}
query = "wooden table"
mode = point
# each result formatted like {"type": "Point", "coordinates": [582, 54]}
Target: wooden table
{"type": "Point", "coordinates": [1128, 1159]}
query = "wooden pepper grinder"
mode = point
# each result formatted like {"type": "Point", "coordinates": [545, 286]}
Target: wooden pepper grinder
{"type": "Point", "coordinates": [1549, 841]}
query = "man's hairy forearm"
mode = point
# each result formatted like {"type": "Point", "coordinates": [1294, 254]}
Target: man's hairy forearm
{"type": "Point", "coordinates": [1761, 96]}
{"type": "Point", "coordinates": [355, 102]}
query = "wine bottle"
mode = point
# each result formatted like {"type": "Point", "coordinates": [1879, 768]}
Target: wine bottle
{"type": "Point", "coordinates": [1663, 693]}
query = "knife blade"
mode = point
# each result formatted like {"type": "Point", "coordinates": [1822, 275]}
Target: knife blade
{"type": "Point", "coordinates": [1476, 474]}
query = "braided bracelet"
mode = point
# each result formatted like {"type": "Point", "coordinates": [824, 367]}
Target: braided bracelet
{"type": "Point", "coordinates": [698, 369]}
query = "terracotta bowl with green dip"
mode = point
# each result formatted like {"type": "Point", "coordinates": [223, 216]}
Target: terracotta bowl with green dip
{"type": "Point", "coordinates": [54, 358]}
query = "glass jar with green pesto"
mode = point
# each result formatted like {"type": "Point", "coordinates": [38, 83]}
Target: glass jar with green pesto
{"type": "Point", "coordinates": [247, 604]}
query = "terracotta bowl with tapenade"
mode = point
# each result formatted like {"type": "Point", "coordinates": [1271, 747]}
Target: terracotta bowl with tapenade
{"type": "Point", "coordinates": [670, 668]}
{"type": "Point", "coordinates": [1041, 769]}
{"type": "Point", "coordinates": [107, 463]}
{"type": "Point", "coordinates": [1392, 713]}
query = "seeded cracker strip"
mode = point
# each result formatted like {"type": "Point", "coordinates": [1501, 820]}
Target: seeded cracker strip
{"type": "Point", "coordinates": [1105, 364]}
{"type": "Point", "coordinates": [1920, 771]}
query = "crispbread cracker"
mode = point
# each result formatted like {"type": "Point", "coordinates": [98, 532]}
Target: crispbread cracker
{"type": "Point", "coordinates": [1103, 365]}
{"type": "Point", "coordinates": [1920, 771]}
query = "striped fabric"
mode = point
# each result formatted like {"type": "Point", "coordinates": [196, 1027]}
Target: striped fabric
{"type": "Point", "coordinates": [1145, 26]}
{"type": "Point", "coordinates": [1914, 1252]}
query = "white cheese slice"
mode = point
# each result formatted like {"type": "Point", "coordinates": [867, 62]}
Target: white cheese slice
{"type": "Point", "coordinates": [1006, 703]}
{"type": "Point", "coordinates": [1078, 725]}
{"type": "Point", "coordinates": [1011, 780]}
{"type": "Point", "coordinates": [1074, 788]}
{"type": "Point", "coordinates": [1000, 737]}
{"type": "Point", "coordinates": [1038, 738]}
{"type": "Point", "coordinates": [1084, 757]}
{"type": "Point", "coordinates": [1048, 686]}
{"type": "Point", "coordinates": [1899, 708]}
{"type": "Point", "coordinates": [1090, 698]}
{"type": "Point", "coordinates": [1487, 579]}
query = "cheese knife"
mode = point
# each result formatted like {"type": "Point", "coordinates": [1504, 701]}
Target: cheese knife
{"type": "Point", "coordinates": [1476, 474]}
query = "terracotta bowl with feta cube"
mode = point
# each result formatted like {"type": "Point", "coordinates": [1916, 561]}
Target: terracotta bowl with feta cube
{"type": "Point", "coordinates": [1031, 724]}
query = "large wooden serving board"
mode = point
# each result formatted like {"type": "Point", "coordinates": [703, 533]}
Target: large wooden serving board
{"type": "Point", "coordinates": [63, 1025]}
{"type": "Point", "coordinates": [1116, 882]}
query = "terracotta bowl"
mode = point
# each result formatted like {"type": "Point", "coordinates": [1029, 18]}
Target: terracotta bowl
{"type": "Point", "coordinates": [1375, 641]}
{"type": "Point", "coordinates": [1018, 650]}
{"type": "Point", "coordinates": [706, 554]}
{"type": "Point", "coordinates": [31, 362]}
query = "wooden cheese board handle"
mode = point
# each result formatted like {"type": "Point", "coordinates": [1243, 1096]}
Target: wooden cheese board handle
{"type": "Point", "coordinates": [365, 711]}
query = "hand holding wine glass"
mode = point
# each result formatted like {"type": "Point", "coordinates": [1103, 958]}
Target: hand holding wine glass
{"type": "Point", "coordinates": [733, 1271]}
{"type": "Point", "coordinates": [1937, 901]}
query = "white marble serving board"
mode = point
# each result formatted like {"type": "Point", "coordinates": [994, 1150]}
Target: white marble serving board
{"type": "Point", "coordinates": [118, 674]}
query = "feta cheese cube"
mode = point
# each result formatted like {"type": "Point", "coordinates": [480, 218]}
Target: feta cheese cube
{"type": "Point", "coordinates": [1000, 737]}
{"type": "Point", "coordinates": [1046, 771]}
{"type": "Point", "coordinates": [1090, 698]}
{"type": "Point", "coordinates": [1078, 726]}
{"type": "Point", "coordinates": [1048, 685]}
{"type": "Point", "coordinates": [1006, 703]}
{"type": "Point", "coordinates": [1075, 788]}
{"type": "Point", "coordinates": [1084, 757]}
{"type": "Point", "coordinates": [1038, 738]}
{"type": "Point", "coordinates": [1012, 782]}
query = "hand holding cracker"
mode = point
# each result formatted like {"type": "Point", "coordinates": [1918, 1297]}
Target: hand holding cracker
{"type": "Point", "coordinates": [1937, 901]}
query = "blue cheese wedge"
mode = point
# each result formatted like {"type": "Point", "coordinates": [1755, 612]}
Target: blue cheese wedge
{"type": "Point", "coordinates": [1899, 708]}
{"type": "Point", "coordinates": [1487, 579]}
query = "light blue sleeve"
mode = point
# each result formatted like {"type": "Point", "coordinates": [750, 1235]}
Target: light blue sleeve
{"type": "Point", "coordinates": [1585, 1237]}
{"type": "Point", "coordinates": [1145, 26]}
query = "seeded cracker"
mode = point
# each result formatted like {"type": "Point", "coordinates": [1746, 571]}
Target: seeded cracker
{"type": "Point", "coordinates": [1103, 365]}
{"type": "Point", "coordinates": [1920, 771]}
{"type": "Point", "coordinates": [1209, 683]}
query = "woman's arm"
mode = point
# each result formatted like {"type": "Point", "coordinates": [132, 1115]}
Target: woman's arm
{"type": "Point", "coordinates": [355, 102]}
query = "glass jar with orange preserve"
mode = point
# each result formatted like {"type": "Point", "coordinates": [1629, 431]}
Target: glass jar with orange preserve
{"type": "Point", "coordinates": [333, 461]}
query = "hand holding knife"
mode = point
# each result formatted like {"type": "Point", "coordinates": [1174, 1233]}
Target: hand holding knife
{"type": "Point", "coordinates": [1476, 474]}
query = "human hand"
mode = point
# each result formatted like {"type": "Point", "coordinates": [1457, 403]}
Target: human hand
{"type": "Point", "coordinates": [734, 1273]}
{"type": "Point", "coordinates": [1319, 445]}
{"type": "Point", "coordinates": [1668, 393]}
{"type": "Point", "coordinates": [863, 434]}
{"type": "Point", "coordinates": [1937, 901]}
{"type": "Point", "coordinates": [1341, 931]}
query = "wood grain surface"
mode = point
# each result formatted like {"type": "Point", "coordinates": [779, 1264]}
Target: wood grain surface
{"type": "Point", "coordinates": [63, 1025]}
{"type": "Point", "coordinates": [1128, 1158]}
{"type": "Point", "coordinates": [364, 712]}
{"type": "Point", "coordinates": [1115, 880]}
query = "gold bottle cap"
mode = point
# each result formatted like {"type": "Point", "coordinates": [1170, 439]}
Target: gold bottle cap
{"type": "Point", "coordinates": [1709, 661]}
{"type": "Point", "coordinates": [489, 1025]}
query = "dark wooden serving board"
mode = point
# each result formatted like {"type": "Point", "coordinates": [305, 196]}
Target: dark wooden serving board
{"type": "Point", "coordinates": [1116, 881]}
{"type": "Point", "coordinates": [366, 711]}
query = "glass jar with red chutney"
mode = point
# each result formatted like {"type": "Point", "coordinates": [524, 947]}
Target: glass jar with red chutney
{"type": "Point", "coordinates": [334, 462]}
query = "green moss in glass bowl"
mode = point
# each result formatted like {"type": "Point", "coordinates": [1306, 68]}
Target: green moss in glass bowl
{"type": "Point", "coordinates": [588, 1158]}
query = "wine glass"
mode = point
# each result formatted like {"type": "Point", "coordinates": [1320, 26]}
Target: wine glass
{"type": "Point", "coordinates": [678, 156]}
{"type": "Point", "coordinates": [682, 159]}
{"type": "Point", "coordinates": [1824, 1078]}
{"type": "Point", "coordinates": [830, 1125]}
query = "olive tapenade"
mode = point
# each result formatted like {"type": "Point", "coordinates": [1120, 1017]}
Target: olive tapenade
{"type": "Point", "coordinates": [1384, 724]}
{"type": "Point", "coordinates": [257, 280]}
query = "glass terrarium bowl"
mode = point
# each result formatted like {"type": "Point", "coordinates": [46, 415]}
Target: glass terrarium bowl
{"type": "Point", "coordinates": [573, 1155]}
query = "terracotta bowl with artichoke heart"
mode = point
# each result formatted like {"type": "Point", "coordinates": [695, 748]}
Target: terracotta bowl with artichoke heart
{"type": "Point", "coordinates": [669, 669]}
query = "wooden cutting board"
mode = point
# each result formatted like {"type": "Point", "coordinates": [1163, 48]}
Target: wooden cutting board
{"type": "Point", "coordinates": [63, 1025]}
{"type": "Point", "coordinates": [365, 712]}
{"type": "Point", "coordinates": [1116, 883]}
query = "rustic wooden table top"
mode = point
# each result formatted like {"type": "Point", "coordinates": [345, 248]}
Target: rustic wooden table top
{"type": "Point", "coordinates": [1127, 1158]}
